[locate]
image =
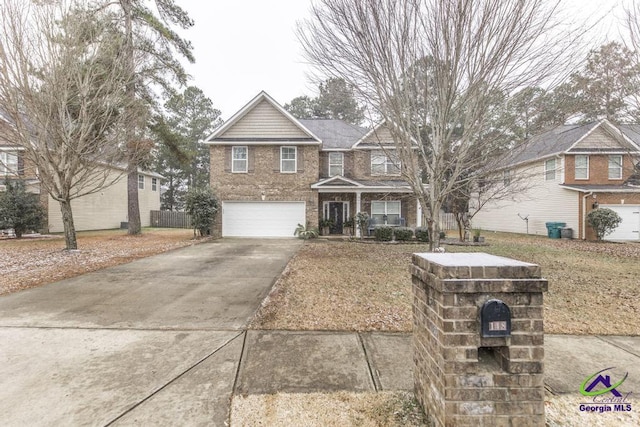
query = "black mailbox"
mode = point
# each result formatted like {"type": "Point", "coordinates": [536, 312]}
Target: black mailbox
{"type": "Point", "coordinates": [495, 318]}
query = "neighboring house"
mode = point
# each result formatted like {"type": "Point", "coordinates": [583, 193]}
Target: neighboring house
{"type": "Point", "coordinates": [572, 170]}
{"type": "Point", "coordinates": [272, 172]}
{"type": "Point", "coordinates": [108, 208]}
{"type": "Point", "coordinates": [102, 210]}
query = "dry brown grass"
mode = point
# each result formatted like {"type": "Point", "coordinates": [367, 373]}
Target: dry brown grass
{"type": "Point", "coordinates": [29, 262]}
{"type": "Point", "coordinates": [593, 287]}
{"type": "Point", "coordinates": [327, 409]}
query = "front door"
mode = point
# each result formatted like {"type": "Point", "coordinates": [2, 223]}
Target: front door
{"type": "Point", "coordinates": [336, 213]}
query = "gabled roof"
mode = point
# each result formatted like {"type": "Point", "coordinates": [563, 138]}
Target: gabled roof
{"type": "Point", "coordinates": [568, 139]}
{"type": "Point", "coordinates": [362, 142]}
{"type": "Point", "coordinates": [338, 183]}
{"type": "Point", "coordinates": [335, 134]}
{"type": "Point", "coordinates": [302, 135]}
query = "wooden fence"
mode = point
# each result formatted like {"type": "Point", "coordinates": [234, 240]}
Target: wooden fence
{"type": "Point", "coordinates": [170, 219]}
{"type": "Point", "coordinates": [448, 221]}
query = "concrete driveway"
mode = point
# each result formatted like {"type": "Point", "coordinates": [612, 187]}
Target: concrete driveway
{"type": "Point", "coordinates": [153, 342]}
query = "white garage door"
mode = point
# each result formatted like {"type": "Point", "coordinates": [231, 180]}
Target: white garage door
{"type": "Point", "coordinates": [261, 219]}
{"type": "Point", "coordinates": [629, 228]}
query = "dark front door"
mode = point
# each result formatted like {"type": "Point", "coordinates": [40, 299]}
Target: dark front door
{"type": "Point", "coordinates": [336, 213]}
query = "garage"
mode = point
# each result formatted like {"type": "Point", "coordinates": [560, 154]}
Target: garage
{"type": "Point", "coordinates": [629, 228]}
{"type": "Point", "coordinates": [261, 219]}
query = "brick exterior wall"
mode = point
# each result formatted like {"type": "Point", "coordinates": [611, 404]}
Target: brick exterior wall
{"type": "Point", "coordinates": [460, 377]}
{"type": "Point", "coordinates": [598, 170]}
{"type": "Point", "coordinates": [604, 199]}
{"type": "Point", "coordinates": [264, 178]}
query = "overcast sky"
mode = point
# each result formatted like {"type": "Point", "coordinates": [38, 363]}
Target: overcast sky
{"type": "Point", "coordinates": [245, 46]}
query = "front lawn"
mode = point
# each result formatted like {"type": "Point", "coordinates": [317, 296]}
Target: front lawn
{"type": "Point", "coordinates": [594, 288]}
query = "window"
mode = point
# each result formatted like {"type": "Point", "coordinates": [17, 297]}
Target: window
{"type": "Point", "coordinates": [288, 159]}
{"type": "Point", "coordinates": [550, 170]}
{"type": "Point", "coordinates": [615, 166]}
{"type": "Point", "coordinates": [336, 164]}
{"type": "Point", "coordinates": [8, 162]}
{"type": "Point", "coordinates": [239, 159]}
{"type": "Point", "coordinates": [154, 184]}
{"type": "Point", "coordinates": [140, 182]}
{"type": "Point", "coordinates": [386, 212]}
{"type": "Point", "coordinates": [506, 178]}
{"type": "Point", "coordinates": [382, 164]}
{"type": "Point", "coordinates": [582, 167]}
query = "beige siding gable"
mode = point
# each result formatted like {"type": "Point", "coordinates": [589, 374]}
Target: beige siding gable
{"type": "Point", "coordinates": [382, 135]}
{"type": "Point", "coordinates": [600, 139]}
{"type": "Point", "coordinates": [264, 121]}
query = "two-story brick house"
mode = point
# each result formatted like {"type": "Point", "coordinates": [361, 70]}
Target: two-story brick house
{"type": "Point", "coordinates": [572, 169]}
{"type": "Point", "coordinates": [272, 171]}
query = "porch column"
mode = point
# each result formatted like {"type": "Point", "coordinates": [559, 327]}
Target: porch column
{"type": "Point", "coordinates": [418, 214]}
{"type": "Point", "coordinates": [358, 208]}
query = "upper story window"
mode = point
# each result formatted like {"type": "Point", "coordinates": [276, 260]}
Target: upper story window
{"type": "Point", "coordinates": [506, 178]}
{"type": "Point", "coordinates": [8, 162]}
{"type": "Point", "coordinates": [582, 167]}
{"type": "Point", "coordinates": [239, 159]}
{"type": "Point", "coordinates": [154, 184]}
{"type": "Point", "coordinates": [288, 159]}
{"type": "Point", "coordinates": [615, 166]}
{"type": "Point", "coordinates": [383, 164]}
{"type": "Point", "coordinates": [140, 182]}
{"type": "Point", "coordinates": [336, 163]}
{"type": "Point", "coordinates": [550, 170]}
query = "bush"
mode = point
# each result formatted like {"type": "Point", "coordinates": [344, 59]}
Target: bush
{"type": "Point", "coordinates": [19, 209]}
{"type": "Point", "coordinates": [603, 221]}
{"type": "Point", "coordinates": [403, 233]}
{"type": "Point", "coordinates": [422, 234]}
{"type": "Point", "coordinates": [383, 233]}
{"type": "Point", "coordinates": [306, 232]}
{"type": "Point", "coordinates": [443, 235]}
{"type": "Point", "coordinates": [202, 205]}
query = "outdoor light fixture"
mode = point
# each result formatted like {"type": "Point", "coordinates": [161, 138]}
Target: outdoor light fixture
{"type": "Point", "coordinates": [595, 205]}
{"type": "Point", "coordinates": [263, 196]}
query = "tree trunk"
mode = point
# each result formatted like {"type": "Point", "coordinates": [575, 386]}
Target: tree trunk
{"type": "Point", "coordinates": [69, 227]}
{"type": "Point", "coordinates": [133, 206]}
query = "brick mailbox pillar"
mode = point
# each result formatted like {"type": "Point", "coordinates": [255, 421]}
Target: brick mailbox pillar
{"type": "Point", "coordinates": [478, 339]}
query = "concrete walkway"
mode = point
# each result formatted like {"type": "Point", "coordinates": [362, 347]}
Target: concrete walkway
{"type": "Point", "coordinates": [163, 341]}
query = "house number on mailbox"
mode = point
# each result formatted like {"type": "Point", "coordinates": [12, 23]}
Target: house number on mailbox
{"type": "Point", "coordinates": [495, 317]}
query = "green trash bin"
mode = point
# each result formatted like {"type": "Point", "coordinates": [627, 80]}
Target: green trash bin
{"type": "Point", "coordinates": [554, 229]}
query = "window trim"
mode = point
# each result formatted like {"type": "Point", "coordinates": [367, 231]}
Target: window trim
{"type": "Point", "coordinates": [390, 168]}
{"type": "Point", "coordinates": [154, 184]}
{"type": "Point", "coordinates": [619, 168]}
{"type": "Point", "coordinates": [341, 164]}
{"type": "Point", "coordinates": [586, 167]}
{"type": "Point", "coordinates": [5, 167]}
{"type": "Point", "coordinates": [386, 208]}
{"type": "Point", "coordinates": [141, 182]}
{"type": "Point", "coordinates": [548, 172]}
{"type": "Point", "coordinates": [234, 159]}
{"type": "Point", "coordinates": [283, 160]}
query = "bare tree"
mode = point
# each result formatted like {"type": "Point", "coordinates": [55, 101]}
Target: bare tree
{"type": "Point", "coordinates": [62, 94]}
{"type": "Point", "coordinates": [430, 68]}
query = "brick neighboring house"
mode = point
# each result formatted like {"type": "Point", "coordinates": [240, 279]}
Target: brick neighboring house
{"type": "Point", "coordinates": [105, 209]}
{"type": "Point", "coordinates": [573, 169]}
{"type": "Point", "coordinates": [272, 172]}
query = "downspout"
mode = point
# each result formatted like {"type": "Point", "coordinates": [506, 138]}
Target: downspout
{"type": "Point", "coordinates": [584, 214]}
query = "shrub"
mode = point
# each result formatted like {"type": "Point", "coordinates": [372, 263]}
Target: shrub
{"type": "Point", "coordinates": [362, 221]}
{"type": "Point", "coordinates": [422, 234]}
{"type": "Point", "coordinates": [202, 205]}
{"type": "Point", "coordinates": [306, 232]}
{"type": "Point", "coordinates": [403, 233]}
{"type": "Point", "coordinates": [603, 221]}
{"type": "Point", "coordinates": [443, 235]}
{"type": "Point", "coordinates": [19, 209]}
{"type": "Point", "coordinates": [383, 233]}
